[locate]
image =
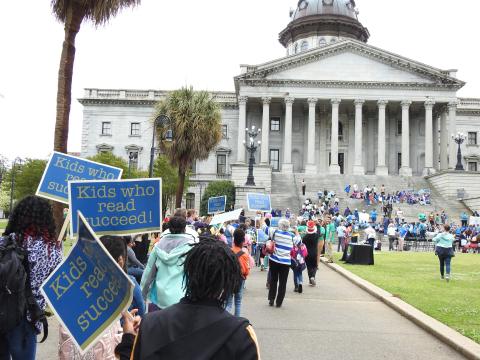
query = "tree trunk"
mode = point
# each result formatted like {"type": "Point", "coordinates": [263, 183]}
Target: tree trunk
{"type": "Point", "coordinates": [181, 185]}
{"type": "Point", "coordinates": [74, 18]}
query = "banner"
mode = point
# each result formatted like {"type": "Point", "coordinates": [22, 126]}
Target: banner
{"type": "Point", "coordinates": [363, 218]}
{"type": "Point", "coordinates": [228, 216]}
{"type": "Point", "coordinates": [62, 168]}
{"type": "Point", "coordinates": [88, 291]}
{"type": "Point", "coordinates": [217, 204]}
{"type": "Point", "coordinates": [475, 221]}
{"type": "Point", "coordinates": [259, 202]}
{"type": "Point", "coordinates": [121, 207]}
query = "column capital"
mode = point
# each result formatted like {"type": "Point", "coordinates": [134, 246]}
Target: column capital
{"type": "Point", "coordinates": [452, 105]}
{"type": "Point", "coordinates": [382, 103]}
{"type": "Point", "coordinates": [242, 100]}
{"type": "Point", "coordinates": [289, 100]}
{"type": "Point", "coordinates": [266, 100]}
{"type": "Point", "coordinates": [312, 101]}
{"type": "Point", "coordinates": [429, 104]}
{"type": "Point", "coordinates": [336, 101]}
{"type": "Point", "coordinates": [359, 102]}
{"type": "Point", "coordinates": [406, 104]}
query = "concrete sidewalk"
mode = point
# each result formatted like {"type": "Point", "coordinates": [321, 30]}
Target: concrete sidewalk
{"type": "Point", "coordinates": [335, 320]}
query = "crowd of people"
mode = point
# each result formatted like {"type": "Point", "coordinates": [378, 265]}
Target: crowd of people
{"type": "Point", "coordinates": [373, 195]}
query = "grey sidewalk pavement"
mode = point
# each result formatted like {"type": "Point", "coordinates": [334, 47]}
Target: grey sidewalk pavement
{"type": "Point", "coordinates": [335, 320]}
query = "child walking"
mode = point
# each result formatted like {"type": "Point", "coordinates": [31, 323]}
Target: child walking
{"type": "Point", "coordinates": [298, 254]}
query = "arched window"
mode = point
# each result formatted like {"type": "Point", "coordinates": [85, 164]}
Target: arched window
{"type": "Point", "coordinates": [304, 46]}
{"type": "Point", "coordinates": [333, 40]}
{"type": "Point", "coordinates": [322, 42]}
{"type": "Point", "coordinates": [340, 131]}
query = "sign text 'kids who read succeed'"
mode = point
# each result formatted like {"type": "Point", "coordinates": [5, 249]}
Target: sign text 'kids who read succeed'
{"type": "Point", "coordinates": [62, 168]}
{"type": "Point", "coordinates": [119, 207]}
{"type": "Point", "coordinates": [217, 204]}
{"type": "Point", "coordinates": [88, 291]}
{"type": "Point", "coordinates": [259, 202]}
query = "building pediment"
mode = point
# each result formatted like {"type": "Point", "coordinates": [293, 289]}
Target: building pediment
{"type": "Point", "coordinates": [347, 62]}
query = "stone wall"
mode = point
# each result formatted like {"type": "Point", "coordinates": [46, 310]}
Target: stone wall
{"type": "Point", "coordinates": [261, 173]}
{"type": "Point", "coordinates": [449, 183]}
{"type": "Point", "coordinates": [472, 203]}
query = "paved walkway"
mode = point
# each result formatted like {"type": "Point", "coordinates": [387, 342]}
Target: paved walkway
{"type": "Point", "coordinates": [335, 320]}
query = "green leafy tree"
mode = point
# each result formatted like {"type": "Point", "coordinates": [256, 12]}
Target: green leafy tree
{"type": "Point", "coordinates": [72, 13]}
{"type": "Point", "coordinates": [107, 158]}
{"type": "Point", "coordinates": [218, 188]}
{"type": "Point", "coordinates": [4, 200]}
{"type": "Point", "coordinates": [196, 124]}
{"type": "Point", "coordinates": [169, 174]}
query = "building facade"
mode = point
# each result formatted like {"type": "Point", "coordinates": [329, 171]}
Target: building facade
{"type": "Point", "coordinates": [333, 105]}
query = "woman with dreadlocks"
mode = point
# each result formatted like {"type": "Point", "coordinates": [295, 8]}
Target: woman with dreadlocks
{"type": "Point", "coordinates": [29, 237]}
{"type": "Point", "coordinates": [198, 327]}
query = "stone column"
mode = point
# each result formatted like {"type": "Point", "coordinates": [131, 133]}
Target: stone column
{"type": "Point", "coordinates": [334, 168]}
{"type": "Point", "coordinates": [428, 170]}
{"type": "Point", "coordinates": [358, 168]}
{"type": "Point", "coordinates": [452, 130]}
{"type": "Point", "coordinates": [443, 142]}
{"type": "Point", "coordinates": [436, 150]}
{"type": "Point", "coordinates": [311, 167]}
{"type": "Point", "coordinates": [381, 169]}
{"type": "Point", "coordinates": [406, 170]}
{"type": "Point", "coordinates": [264, 156]}
{"type": "Point", "coordinates": [242, 125]}
{"type": "Point", "coordinates": [287, 165]}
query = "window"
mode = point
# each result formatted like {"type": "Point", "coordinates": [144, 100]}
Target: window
{"type": "Point", "coordinates": [193, 167]}
{"type": "Point", "coordinates": [322, 42]}
{"type": "Point", "coordinates": [472, 139]}
{"type": "Point", "coordinates": [106, 128]}
{"type": "Point", "coordinates": [340, 131]}
{"type": "Point", "coordinates": [275, 159]}
{"type": "Point", "coordinates": [472, 166]}
{"type": "Point", "coordinates": [399, 127]}
{"type": "Point", "coordinates": [135, 129]}
{"type": "Point", "coordinates": [190, 201]}
{"type": "Point", "coordinates": [333, 40]}
{"type": "Point", "coordinates": [132, 160]}
{"type": "Point", "coordinates": [224, 132]}
{"type": "Point", "coordinates": [275, 124]}
{"type": "Point", "coordinates": [221, 164]}
{"type": "Point", "coordinates": [304, 46]}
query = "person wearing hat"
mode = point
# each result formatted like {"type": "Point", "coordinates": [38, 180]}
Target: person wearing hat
{"type": "Point", "coordinates": [311, 240]}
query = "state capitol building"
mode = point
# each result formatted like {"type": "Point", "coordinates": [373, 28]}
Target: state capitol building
{"type": "Point", "coordinates": [334, 105]}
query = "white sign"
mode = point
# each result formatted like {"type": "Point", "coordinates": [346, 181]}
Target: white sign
{"type": "Point", "coordinates": [363, 218]}
{"type": "Point", "coordinates": [229, 216]}
{"type": "Point", "coordinates": [474, 220]}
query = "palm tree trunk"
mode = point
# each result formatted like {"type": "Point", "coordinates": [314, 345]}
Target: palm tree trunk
{"type": "Point", "coordinates": [181, 185]}
{"type": "Point", "coordinates": [74, 18]}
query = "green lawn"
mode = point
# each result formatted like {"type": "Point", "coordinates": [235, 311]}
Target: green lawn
{"type": "Point", "coordinates": [415, 278]}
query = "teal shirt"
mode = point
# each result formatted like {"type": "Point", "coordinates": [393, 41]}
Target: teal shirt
{"type": "Point", "coordinates": [330, 232]}
{"type": "Point", "coordinates": [444, 240]}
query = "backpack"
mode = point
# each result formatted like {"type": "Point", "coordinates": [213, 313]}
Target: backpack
{"type": "Point", "coordinates": [16, 295]}
{"type": "Point", "coordinates": [298, 262]}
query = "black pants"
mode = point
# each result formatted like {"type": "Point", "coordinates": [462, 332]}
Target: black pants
{"type": "Point", "coordinates": [391, 241]}
{"type": "Point", "coordinates": [303, 190]}
{"type": "Point", "coordinates": [464, 223]}
{"type": "Point", "coordinates": [279, 275]}
{"type": "Point", "coordinates": [311, 267]}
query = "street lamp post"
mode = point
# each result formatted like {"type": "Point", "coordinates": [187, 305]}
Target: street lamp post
{"type": "Point", "coordinates": [251, 148]}
{"type": "Point", "coordinates": [459, 139]}
{"type": "Point", "coordinates": [12, 184]}
{"type": "Point", "coordinates": [162, 120]}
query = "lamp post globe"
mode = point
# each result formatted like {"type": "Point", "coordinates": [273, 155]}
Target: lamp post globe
{"type": "Point", "coordinates": [459, 139]}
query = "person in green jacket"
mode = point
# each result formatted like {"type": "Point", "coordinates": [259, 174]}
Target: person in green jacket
{"type": "Point", "coordinates": [330, 230]}
{"type": "Point", "coordinates": [163, 276]}
{"type": "Point", "coordinates": [321, 239]}
{"type": "Point", "coordinates": [444, 251]}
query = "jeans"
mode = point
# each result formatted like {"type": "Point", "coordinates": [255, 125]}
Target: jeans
{"type": "Point", "coordinates": [238, 300]}
{"type": "Point", "coordinates": [136, 273]}
{"type": "Point", "coordinates": [279, 276]}
{"type": "Point", "coordinates": [298, 277]}
{"type": "Point", "coordinates": [19, 343]}
{"type": "Point", "coordinates": [391, 240]}
{"type": "Point", "coordinates": [341, 243]}
{"type": "Point", "coordinates": [445, 258]}
{"type": "Point", "coordinates": [329, 250]}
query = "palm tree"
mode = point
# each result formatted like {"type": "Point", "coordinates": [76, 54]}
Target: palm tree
{"type": "Point", "coordinates": [72, 13]}
{"type": "Point", "coordinates": [197, 130]}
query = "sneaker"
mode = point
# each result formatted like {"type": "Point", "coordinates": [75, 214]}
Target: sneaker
{"type": "Point", "coordinates": [447, 277]}
{"type": "Point", "coordinates": [296, 289]}
{"type": "Point", "coordinates": [300, 288]}
{"type": "Point", "coordinates": [270, 302]}
{"type": "Point", "coordinates": [443, 277]}
{"type": "Point", "coordinates": [313, 282]}
{"type": "Point", "coordinates": [310, 281]}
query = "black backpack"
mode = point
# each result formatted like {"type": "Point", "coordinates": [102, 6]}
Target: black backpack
{"type": "Point", "coordinates": [15, 291]}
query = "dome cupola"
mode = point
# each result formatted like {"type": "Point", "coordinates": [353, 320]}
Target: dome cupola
{"type": "Point", "coordinates": [316, 23]}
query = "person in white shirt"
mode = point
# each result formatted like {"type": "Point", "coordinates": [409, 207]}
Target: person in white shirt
{"type": "Point", "coordinates": [341, 231]}
{"type": "Point", "coordinates": [371, 234]}
{"type": "Point", "coordinates": [392, 235]}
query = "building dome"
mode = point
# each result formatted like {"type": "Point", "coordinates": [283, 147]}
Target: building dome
{"type": "Point", "coordinates": [323, 20]}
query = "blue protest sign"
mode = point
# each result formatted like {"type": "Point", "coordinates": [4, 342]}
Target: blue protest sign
{"type": "Point", "coordinates": [119, 207]}
{"type": "Point", "coordinates": [274, 222]}
{"type": "Point", "coordinates": [62, 168]}
{"type": "Point", "coordinates": [259, 202]}
{"type": "Point", "coordinates": [217, 204]}
{"type": "Point", "coordinates": [88, 291]}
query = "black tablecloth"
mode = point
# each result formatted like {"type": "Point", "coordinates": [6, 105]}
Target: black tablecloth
{"type": "Point", "coordinates": [358, 254]}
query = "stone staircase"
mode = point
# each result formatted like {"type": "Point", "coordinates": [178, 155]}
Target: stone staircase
{"type": "Point", "coordinates": [286, 192]}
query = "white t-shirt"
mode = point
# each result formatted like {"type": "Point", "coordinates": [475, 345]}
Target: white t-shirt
{"type": "Point", "coordinates": [391, 231]}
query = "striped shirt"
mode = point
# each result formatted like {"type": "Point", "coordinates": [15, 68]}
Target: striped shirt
{"type": "Point", "coordinates": [283, 244]}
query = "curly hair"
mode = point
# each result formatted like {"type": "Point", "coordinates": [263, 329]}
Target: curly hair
{"type": "Point", "coordinates": [32, 216]}
{"type": "Point", "coordinates": [211, 271]}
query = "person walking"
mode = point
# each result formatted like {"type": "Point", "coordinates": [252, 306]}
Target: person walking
{"type": "Point", "coordinates": [244, 261]}
{"type": "Point", "coordinates": [444, 251]}
{"type": "Point", "coordinates": [341, 232]}
{"type": "Point", "coordinates": [392, 235]}
{"type": "Point", "coordinates": [304, 187]}
{"type": "Point", "coordinates": [329, 239]}
{"type": "Point", "coordinates": [298, 254]}
{"type": "Point", "coordinates": [30, 252]}
{"type": "Point", "coordinates": [311, 240]}
{"type": "Point", "coordinates": [464, 219]}
{"type": "Point", "coordinates": [280, 261]}
{"type": "Point", "coordinates": [321, 240]}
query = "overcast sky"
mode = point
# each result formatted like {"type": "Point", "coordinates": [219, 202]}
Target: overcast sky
{"type": "Point", "coordinates": [167, 44]}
